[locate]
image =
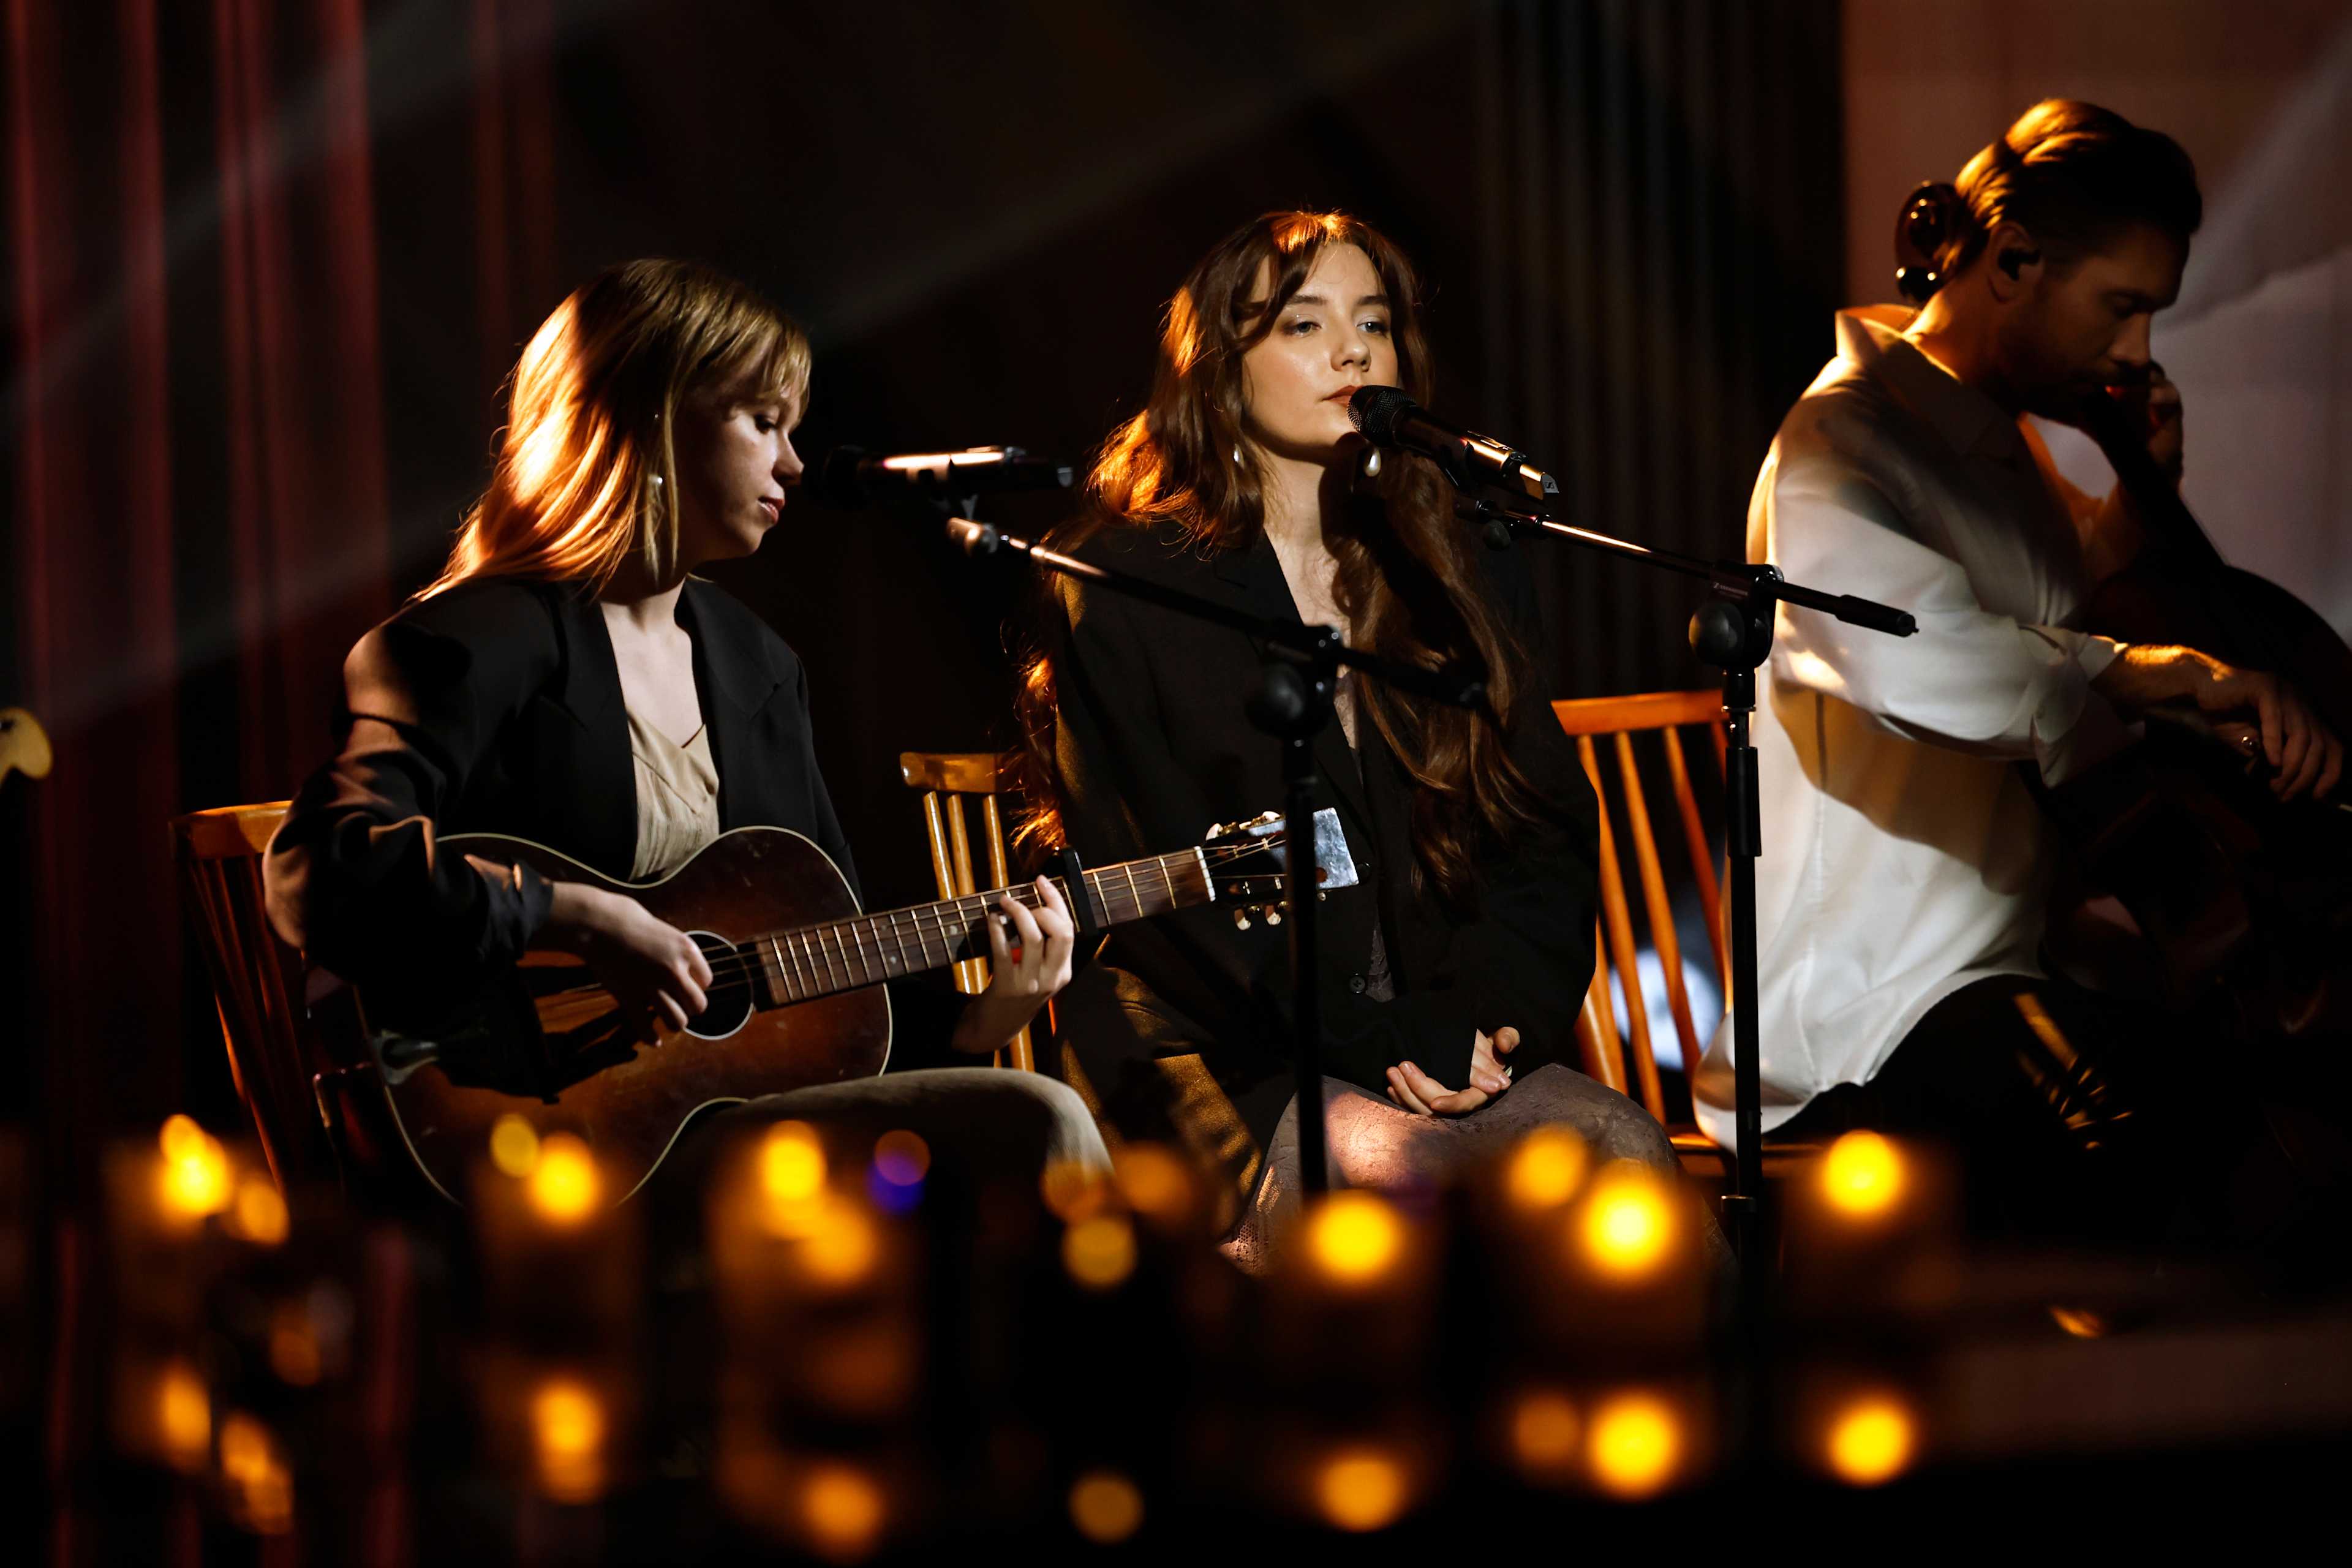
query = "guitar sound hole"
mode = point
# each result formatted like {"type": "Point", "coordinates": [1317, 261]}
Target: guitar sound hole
{"type": "Point", "coordinates": [730, 993]}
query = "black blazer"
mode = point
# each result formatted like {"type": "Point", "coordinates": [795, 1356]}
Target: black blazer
{"type": "Point", "coordinates": [1152, 745]}
{"type": "Point", "coordinates": [496, 707]}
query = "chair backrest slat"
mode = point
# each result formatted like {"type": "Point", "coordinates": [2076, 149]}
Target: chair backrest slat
{"type": "Point", "coordinates": [1661, 915]}
{"type": "Point", "coordinates": [1596, 1026]}
{"type": "Point", "coordinates": [1616, 918]}
{"type": "Point", "coordinates": [948, 780]}
{"type": "Point", "coordinates": [1619, 718]}
{"type": "Point", "coordinates": [1702, 859]}
{"type": "Point", "coordinates": [257, 980]}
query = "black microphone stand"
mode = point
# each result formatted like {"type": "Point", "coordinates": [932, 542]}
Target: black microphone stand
{"type": "Point", "coordinates": [1732, 631]}
{"type": "Point", "coordinates": [1292, 703]}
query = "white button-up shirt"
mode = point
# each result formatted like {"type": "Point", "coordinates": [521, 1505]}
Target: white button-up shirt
{"type": "Point", "coordinates": [1903, 856]}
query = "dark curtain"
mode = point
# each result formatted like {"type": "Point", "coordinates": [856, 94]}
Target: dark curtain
{"type": "Point", "coordinates": [1660, 186]}
{"type": "Point", "coordinates": [269, 261]}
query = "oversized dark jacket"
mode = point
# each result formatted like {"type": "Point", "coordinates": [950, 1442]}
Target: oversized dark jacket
{"type": "Point", "coordinates": [1182, 1028]}
{"type": "Point", "coordinates": [496, 707]}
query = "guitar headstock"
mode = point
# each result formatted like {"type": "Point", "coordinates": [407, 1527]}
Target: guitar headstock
{"type": "Point", "coordinates": [1249, 864]}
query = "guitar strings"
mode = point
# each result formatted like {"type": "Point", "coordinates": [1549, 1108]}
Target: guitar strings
{"type": "Point", "coordinates": [822, 950]}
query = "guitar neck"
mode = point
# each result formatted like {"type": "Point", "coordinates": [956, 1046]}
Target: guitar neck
{"type": "Point", "coordinates": [803, 963]}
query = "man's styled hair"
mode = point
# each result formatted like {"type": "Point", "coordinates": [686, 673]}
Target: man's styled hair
{"type": "Point", "coordinates": [2076, 177]}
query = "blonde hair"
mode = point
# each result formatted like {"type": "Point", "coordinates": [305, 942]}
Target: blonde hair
{"type": "Point", "coordinates": [586, 478]}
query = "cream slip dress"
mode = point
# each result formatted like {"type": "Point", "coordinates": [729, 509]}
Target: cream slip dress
{"type": "Point", "coordinates": [678, 798]}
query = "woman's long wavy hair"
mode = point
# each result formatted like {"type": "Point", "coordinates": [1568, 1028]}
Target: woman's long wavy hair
{"type": "Point", "coordinates": [587, 463]}
{"type": "Point", "coordinates": [1407, 579]}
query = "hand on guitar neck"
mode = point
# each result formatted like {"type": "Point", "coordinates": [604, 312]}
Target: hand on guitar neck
{"type": "Point", "coordinates": [657, 975]}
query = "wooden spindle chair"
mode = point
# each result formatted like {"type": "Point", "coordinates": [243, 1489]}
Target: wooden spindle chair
{"type": "Point", "coordinates": [950, 781]}
{"type": "Point", "coordinates": [1604, 1046]}
{"type": "Point", "coordinates": [317, 1119]}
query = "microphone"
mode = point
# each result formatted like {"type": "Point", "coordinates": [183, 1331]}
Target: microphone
{"type": "Point", "coordinates": [853, 476]}
{"type": "Point", "coordinates": [1388, 419]}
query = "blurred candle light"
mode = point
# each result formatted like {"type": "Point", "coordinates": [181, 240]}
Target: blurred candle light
{"type": "Point", "coordinates": [1099, 1251]}
{"type": "Point", "coordinates": [195, 1178]}
{"type": "Point", "coordinates": [183, 1416]}
{"type": "Point", "coordinates": [841, 1245]}
{"type": "Point", "coordinates": [1628, 1223]}
{"type": "Point", "coordinates": [514, 1145]}
{"type": "Point", "coordinates": [1544, 1433]}
{"type": "Point", "coordinates": [1354, 1237]}
{"type": "Point", "coordinates": [1106, 1507]}
{"type": "Point", "coordinates": [1862, 1175]}
{"type": "Point", "coordinates": [1072, 1190]}
{"type": "Point", "coordinates": [1870, 1440]}
{"type": "Point", "coordinates": [259, 1214]}
{"type": "Point", "coordinates": [1635, 1444]}
{"type": "Point", "coordinates": [1360, 1489]}
{"type": "Point", "coordinates": [261, 1490]}
{"type": "Point", "coordinates": [567, 1429]}
{"type": "Point", "coordinates": [563, 1183]}
{"type": "Point", "coordinates": [1155, 1180]}
{"type": "Point", "coordinates": [1547, 1168]}
{"type": "Point", "coordinates": [842, 1510]}
{"type": "Point", "coordinates": [792, 1177]}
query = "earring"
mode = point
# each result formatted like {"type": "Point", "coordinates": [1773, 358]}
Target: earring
{"type": "Point", "coordinates": [1237, 453]}
{"type": "Point", "coordinates": [1371, 463]}
{"type": "Point", "coordinates": [657, 482]}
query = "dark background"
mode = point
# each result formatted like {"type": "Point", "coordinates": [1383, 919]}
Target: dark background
{"type": "Point", "coordinates": [270, 261]}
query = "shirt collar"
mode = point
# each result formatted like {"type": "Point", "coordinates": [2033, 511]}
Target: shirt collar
{"type": "Point", "coordinates": [1871, 337]}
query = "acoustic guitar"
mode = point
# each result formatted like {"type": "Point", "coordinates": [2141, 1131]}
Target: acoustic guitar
{"type": "Point", "coordinates": [796, 996]}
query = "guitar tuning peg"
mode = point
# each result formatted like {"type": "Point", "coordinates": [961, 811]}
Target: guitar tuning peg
{"type": "Point", "coordinates": [1241, 919]}
{"type": "Point", "coordinates": [1273, 915]}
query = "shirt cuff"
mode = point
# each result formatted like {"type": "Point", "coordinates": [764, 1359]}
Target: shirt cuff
{"type": "Point", "coordinates": [2075, 727]}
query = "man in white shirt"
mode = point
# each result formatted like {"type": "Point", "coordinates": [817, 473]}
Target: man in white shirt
{"type": "Point", "coordinates": [1906, 866]}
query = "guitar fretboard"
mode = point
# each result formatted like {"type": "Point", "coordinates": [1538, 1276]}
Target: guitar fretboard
{"type": "Point", "coordinates": [807, 962]}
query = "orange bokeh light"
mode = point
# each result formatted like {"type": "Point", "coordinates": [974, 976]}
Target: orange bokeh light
{"type": "Point", "coordinates": [567, 1431]}
{"type": "Point", "coordinates": [1106, 1507]}
{"type": "Point", "coordinates": [262, 1489]}
{"type": "Point", "coordinates": [195, 1178]}
{"type": "Point", "coordinates": [1154, 1180]}
{"type": "Point", "coordinates": [1636, 1445]}
{"type": "Point", "coordinates": [183, 1416]}
{"type": "Point", "coordinates": [841, 1244]}
{"type": "Point", "coordinates": [843, 1510]}
{"type": "Point", "coordinates": [1360, 1489]}
{"type": "Point", "coordinates": [1544, 1433]}
{"type": "Point", "coordinates": [564, 1184]}
{"type": "Point", "coordinates": [1355, 1238]}
{"type": "Point", "coordinates": [514, 1145]}
{"type": "Point", "coordinates": [1547, 1168]}
{"type": "Point", "coordinates": [1863, 1175]}
{"type": "Point", "coordinates": [1628, 1223]}
{"type": "Point", "coordinates": [1872, 1440]}
{"type": "Point", "coordinates": [259, 1213]}
{"type": "Point", "coordinates": [1099, 1252]}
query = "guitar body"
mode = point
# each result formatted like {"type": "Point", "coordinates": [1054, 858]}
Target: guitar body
{"type": "Point", "coordinates": [796, 996]}
{"type": "Point", "coordinates": [533, 1043]}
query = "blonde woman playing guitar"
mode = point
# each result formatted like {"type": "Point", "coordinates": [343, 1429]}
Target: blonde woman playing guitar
{"type": "Point", "coordinates": [567, 682]}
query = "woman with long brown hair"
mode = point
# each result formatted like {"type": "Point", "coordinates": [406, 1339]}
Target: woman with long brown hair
{"type": "Point", "coordinates": [569, 681]}
{"type": "Point", "coordinates": [1453, 975]}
